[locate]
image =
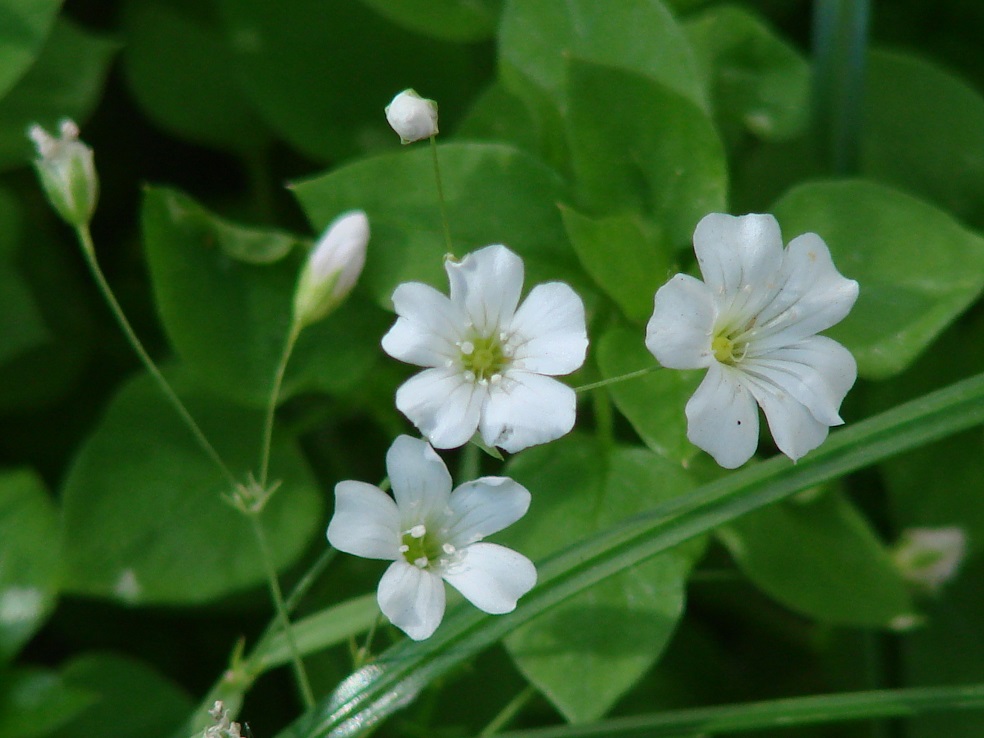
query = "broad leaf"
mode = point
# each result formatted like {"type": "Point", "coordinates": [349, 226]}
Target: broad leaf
{"type": "Point", "coordinates": [612, 633]}
{"type": "Point", "coordinates": [24, 25]}
{"type": "Point", "coordinates": [225, 294]}
{"type": "Point", "coordinates": [639, 145]}
{"type": "Point", "coordinates": [465, 21]}
{"type": "Point", "coordinates": [34, 702]}
{"type": "Point", "coordinates": [144, 516]}
{"type": "Point", "coordinates": [820, 557]}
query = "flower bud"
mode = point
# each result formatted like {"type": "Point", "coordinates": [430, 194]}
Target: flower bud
{"type": "Point", "coordinates": [332, 268]}
{"type": "Point", "coordinates": [67, 172]}
{"type": "Point", "coordinates": [412, 116]}
{"type": "Point", "coordinates": [930, 557]}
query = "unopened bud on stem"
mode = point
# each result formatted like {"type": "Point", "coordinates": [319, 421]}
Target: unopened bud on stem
{"type": "Point", "coordinates": [930, 557]}
{"type": "Point", "coordinates": [332, 268]}
{"type": "Point", "coordinates": [67, 172]}
{"type": "Point", "coordinates": [412, 116]}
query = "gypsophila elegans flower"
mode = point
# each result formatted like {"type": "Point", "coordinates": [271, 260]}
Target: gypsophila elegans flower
{"type": "Point", "coordinates": [413, 117]}
{"type": "Point", "coordinates": [928, 558]}
{"type": "Point", "coordinates": [489, 360]}
{"type": "Point", "coordinates": [67, 172]}
{"type": "Point", "coordinates": [332, 267]}
{"type": "Point", "coordinates": [432, 534]}
{"type": "Point", "coordinates": [752, 323]}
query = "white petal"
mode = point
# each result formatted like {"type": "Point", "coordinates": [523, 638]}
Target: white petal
{"type": "Point", "coordinates": [443, 405]}
{"type": "Point", "coordinates": [492, 577]}
{"type": "Point", "coordinates": [793, 426]}
{"type": "Point", "coordinates": [412, 599]}
{"type": "Point", "coordinates": [722, 417]}
{"type": "Point", "coordinates": [735, 252]}
{"type": "Point", "coordinates": [526, 409]}
{"type": "Point", "coordinates": [817, 372]}
{"type": "Point", "coordinates": [487, 284]}
{"type": "Point", "coordinates": [484, 507]}
{"type": "Point", "coordinates": [428, 326]}
{"type": "Point", "coordinates": [548, 333]}
{"type": "Point", "coordinates": [679, 333]}
{"type": "Point", "coordinates": [366, 522]}
{"type": "Point", "coordinates": [813, 296]}
{"type": "Point", "coordinates": [421, 482]}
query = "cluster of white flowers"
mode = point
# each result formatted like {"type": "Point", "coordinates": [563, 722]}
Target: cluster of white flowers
{"type": "Point", "coordinates": [489, 361]}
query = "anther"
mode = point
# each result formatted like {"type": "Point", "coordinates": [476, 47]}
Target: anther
{"type": "Point", "coordinates": [418, 531]}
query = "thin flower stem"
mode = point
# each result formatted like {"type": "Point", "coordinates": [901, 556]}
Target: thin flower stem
{"type": "Point", "coordinates": [278, 380]}
{"type": "Point", "coordinates": [469, 465]}
{"type": "Point", "coordinates": [614, 380]}
{"type": "Point", "coordinates": [509, 712]}
{"type": "Point", "coordinates": [281, 606]}
{"type": "Point", "coordinates": [362, 654]}
{"type": "Point", "coordinates": [440, 196]}
{"type": "Point", "coordinates": [89, 251]}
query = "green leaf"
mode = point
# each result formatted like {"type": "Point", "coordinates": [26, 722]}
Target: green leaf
{"type": "Point", "coordinates": [758, 82]}
{"type": "Point", "coordinates": [501, 116]}
{"type": "Point", "coordinates": [820, 557]}
{"type": "Point", "coordinates": [182, 73]}
{"type": "Point", "coordinates": [612, 633]}
{"type": "Point", "coordinates": [923, 130]}
{"type": "Point", "coordinates": [653, 403]}
{"type": "Point", "coordinates": [638, 145]}
{"type": "Point", "coordinates": [464, 21]}
{"type": "Point", "coordinates": [29, 563]}
{"type": "Point", "coordinates": [225, 294]}
{"type": "Point", "coordinates": [917, 267]}
{"type": "Point", "coordinates": [536, 39]}
{"type": "Point", "coordinates": [493, 193]}
{"type": "Point", "coordinates": [144, 517]}
{"type": "Point", "coordinates": [132, 699]}
{"type": "Point", "coordinates": [66, 81]}
{"type": "Point", "coordinates": [24, 25]}
{"type": "Point", "coordinates": [21, 325]}
{"type": "Point", "coordinates": [625, 255]}
{"type": "Point", "coordinates": [34, 702]}
{"type": "Point", "coordinates": [397, 676]}
{"type": "Point", "coordinates": [314, 70]}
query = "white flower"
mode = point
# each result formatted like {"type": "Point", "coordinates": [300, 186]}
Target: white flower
{"type": "Point", "coordinates": [412, 116]}
{"type": "Point", "coordinates": [67, 172]}
{"type": "Point", "coordinates": [431, 533]}
{"type": "Point", "coordinates": [487, 359]}
{"type": "Point", "coordinates": [332, 268]}
{"type": "Point", "coordinates": [930, 557]}
{"type": "Point", "coordinates": [752, 323]}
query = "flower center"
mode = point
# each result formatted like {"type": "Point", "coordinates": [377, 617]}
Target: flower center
{"type": "Point", "coordinates": [422, 549]}
{"type": "Point", "coordinates": [484, 358]}
{"type": "Point", "coordinates": [729, 349]}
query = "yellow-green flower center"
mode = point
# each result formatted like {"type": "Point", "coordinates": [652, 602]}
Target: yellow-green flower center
{"type": "Point", "coordinates": [484, 357]}
{"type": "Point", "coordinates": [723, 348]}
{"type": "Point", "coordinates": [421, 548]}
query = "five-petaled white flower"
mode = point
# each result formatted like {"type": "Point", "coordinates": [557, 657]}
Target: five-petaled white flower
{"type": "Point", "coordinates": [752, 323]}
{"type": "Point", "coordinates": [431, 533]}
{"type": "Point", "coordinates": [486, 355]}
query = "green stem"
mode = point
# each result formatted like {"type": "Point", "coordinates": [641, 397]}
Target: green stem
{"type": "Point", "coordinates": [89, 251]}
{"type": "Point", "coordinates": [773, 714]}
{"type": "Point", "coordinates": [508, 712]}
{"type": "Point", "coordinates": [440, 196]}
{"type": "Point", "coordinates": [468, 467]}
{"type": "Point", "coordinates": [281, 607]}
{"type": "Point", "coordinates": [621, 378]}
{"type": "Point", "coordinates": [271, 409]}
{"type": "Point", "coordinates": [362, 654]}
{"type": "Point", "coordinates": [840, 39]}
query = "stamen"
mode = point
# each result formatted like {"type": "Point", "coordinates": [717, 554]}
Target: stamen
{"type": "Point", "coordinates": [418, 531]}
{"type": "Point", "coordinates": [420, 563]}
{"type": "Point", "coordinates": [467, 348]}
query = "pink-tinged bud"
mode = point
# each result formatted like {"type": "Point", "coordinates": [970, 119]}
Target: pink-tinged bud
{"type": "Point", "coordinates": [67, 172]}
{"type": "Point", "coordinates": [332, 268]}
{"type": "Point", "coordinates": [412, 116]}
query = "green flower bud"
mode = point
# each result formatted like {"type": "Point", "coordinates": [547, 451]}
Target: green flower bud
{"type": "Point", "coordinates": [67, 172]}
